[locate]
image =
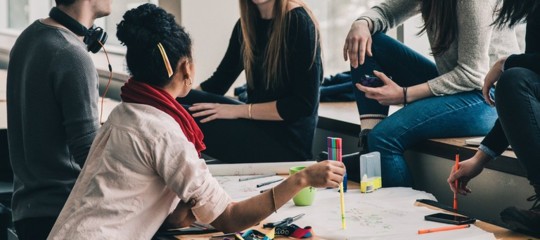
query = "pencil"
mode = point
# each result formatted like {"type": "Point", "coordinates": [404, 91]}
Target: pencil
{"type": "Point", "coordinates": [440, 229]}
{"type": "Point", "coordinates": [456, 183]}
{"type": "Point", "coordinates": [342, 199]}
{"type": "Point", "coordinates": [255, 177]}
{"type": "Point", "coordinates": [270, 182]}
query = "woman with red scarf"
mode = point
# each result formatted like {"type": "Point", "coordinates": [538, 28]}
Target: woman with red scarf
{"type": "Point", "coordinates": [143, 170]}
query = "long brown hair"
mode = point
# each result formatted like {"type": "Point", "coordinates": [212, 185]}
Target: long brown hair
{"type": "Point", "coordinates": [275, 55]}
{"type": "Point", "coordinates": [440, 16]}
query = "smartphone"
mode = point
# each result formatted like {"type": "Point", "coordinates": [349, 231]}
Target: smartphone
{"type": "Point", "coordinates": [448, 218]}
{"type": "Point", "coordinates": [371, 81]}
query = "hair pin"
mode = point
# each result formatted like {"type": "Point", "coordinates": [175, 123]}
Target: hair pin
{"type": "Point", "coordinates": [165, 59]}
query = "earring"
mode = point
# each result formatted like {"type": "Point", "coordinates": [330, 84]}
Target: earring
{"type": "Point", "coordinates": [190, 82]}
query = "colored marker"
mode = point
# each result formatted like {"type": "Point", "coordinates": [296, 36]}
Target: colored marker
{"type": "Point", "coordinates": [267, 183]}
{"type": "Point", "coordinates": [256, 177]}
{"type": "Point", "coordinates": [334, 153]}
{"type": "Point", "coordinates": [440, 229]}
{"type": "Point", "coordinates": [456, 183]}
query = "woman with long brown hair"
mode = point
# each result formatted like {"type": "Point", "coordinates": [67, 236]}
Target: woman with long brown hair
{"type": "Point", "coordinates": [442, 98]}
{"type": "Point", "coordinates": [276, 42]}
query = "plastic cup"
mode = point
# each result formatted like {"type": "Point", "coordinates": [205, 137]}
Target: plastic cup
{"type": "Point", "coordinates": [306, 196]}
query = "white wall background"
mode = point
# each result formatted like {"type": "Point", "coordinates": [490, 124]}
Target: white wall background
{"type": "Point", "coordinates": [210, 24]}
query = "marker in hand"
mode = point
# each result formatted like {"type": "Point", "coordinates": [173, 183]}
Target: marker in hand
{"type": "Point", "coordinates": [456, 183]}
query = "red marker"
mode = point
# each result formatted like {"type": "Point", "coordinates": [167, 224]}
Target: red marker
{"type": "Point", "coordinates": [456, 183]}
{"type": "Point", "coordinates": [440, 229]}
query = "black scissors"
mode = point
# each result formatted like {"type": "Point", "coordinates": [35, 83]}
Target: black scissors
{"type": "Point", "coordinates": [283, 222]}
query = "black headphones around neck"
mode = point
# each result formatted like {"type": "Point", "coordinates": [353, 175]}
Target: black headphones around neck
{"type": "Point", "coordinates": [92, 36]}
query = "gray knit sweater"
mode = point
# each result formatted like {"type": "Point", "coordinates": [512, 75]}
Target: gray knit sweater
{"type": "Point", "coordinates": [52, 99]}
{"type": "Point", "coordinates": [477, 47]}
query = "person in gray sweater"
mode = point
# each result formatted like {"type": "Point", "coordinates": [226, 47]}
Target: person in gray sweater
{"type": "Point", "coordinates": [441, 99]}
{"type": "Point", "coordinates": [52, 98]}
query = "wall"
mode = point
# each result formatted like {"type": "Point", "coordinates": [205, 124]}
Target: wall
{"type": "Point", "coordinates": [210, 24]}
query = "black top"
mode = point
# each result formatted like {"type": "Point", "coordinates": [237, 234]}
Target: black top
{"type": "Point", "coordinates": [496, 139]}
{"type": "Point", "coordinates": [298, 95]}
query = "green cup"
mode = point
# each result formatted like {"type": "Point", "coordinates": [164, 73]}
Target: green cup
{"type": "Point", "coordinates": [306, 196]}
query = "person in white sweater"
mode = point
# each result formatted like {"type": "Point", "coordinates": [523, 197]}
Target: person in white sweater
{"type": "Point", "coordinates": [441, 99]}
{"type": "Point", "coordinates": [144, 168]}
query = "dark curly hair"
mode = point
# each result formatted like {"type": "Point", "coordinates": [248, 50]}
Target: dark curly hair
{"type": "Point", "coordinates": [141, 30]}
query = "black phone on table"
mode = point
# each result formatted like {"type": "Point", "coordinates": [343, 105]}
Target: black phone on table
{"type": "Point", "coordinates": [449, 218]}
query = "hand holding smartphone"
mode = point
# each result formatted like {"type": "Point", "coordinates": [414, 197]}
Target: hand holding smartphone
{"type": "Point", "coordinates": [449, 218]}
{"type": "Point", "coordinates": [371, 81]}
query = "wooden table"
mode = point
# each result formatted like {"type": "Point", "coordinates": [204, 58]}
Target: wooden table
{"type": "Point", "coordinates": [499, 233]}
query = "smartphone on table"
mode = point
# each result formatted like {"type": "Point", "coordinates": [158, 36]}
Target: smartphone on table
{"type": "Point", "coordinates": [449, 218]}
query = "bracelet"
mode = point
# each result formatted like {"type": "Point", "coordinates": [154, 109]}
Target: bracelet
{"type": "Point", "coordinates": [274, 201]}
{"type": "Point", "coordinates": [249, 111]}
{"type": "Point", "coordinates": [405, 96]}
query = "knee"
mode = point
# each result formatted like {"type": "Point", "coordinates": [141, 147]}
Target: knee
{"type": "Point", "coordinates": [378, 140]}
{"type": "Point", "coordinates": [380, 41]}
{"type": "Point", "coordinates": [512, 81]}
{"type": "Point", "coordinates": [378, 36]}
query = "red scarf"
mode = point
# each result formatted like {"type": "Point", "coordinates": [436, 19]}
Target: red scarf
{"type": "Point", "coordinates": [139, 92]}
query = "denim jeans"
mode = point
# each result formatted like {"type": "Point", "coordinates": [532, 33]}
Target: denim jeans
{"type": "Point", "coordinates": [518, 104]}
{"type": "Point", "coordinates": [457, 115]}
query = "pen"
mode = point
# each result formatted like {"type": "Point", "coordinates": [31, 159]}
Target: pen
{"type": "Point", "coordinates": [255, 177]}
{"type": "Point", "coordinates": [440, 229]}
{"type": "Point", "coordinates": [270, 182]}
{"type": "Point", "coordinates": [456, 183]}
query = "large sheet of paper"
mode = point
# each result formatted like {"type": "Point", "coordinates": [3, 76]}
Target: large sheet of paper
{"type": "Point", "coordinates": [255, 168]}
{"type": "Point", "coordinates": [387, 213]}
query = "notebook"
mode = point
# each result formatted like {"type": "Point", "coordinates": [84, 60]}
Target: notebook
{"type": "Point", "coordinates": [476, 141]}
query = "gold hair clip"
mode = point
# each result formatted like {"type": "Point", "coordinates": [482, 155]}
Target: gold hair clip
{"type": "Point", "coordinates": [165, 59]}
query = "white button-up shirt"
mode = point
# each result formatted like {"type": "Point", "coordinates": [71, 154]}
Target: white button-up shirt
{"type": "Point", "coordinates": [138, 169]}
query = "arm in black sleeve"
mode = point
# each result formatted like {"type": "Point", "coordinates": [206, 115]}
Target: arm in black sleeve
{"type": "Point", "coordinates": [230, 67]}
{"type": "Point", "coordinates": [305, 71]}
{"type": "Point", "coordinates": [530, 61]}
{"type": "Point", "coordinates": [496, 140]}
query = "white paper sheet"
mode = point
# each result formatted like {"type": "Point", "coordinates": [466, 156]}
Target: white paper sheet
{"type": "Point", "coordinates": [239, 190]}
{"type": "Point", "coordinates": [387, 213]}
{"type": "Point", "coordinates": [255, 168]}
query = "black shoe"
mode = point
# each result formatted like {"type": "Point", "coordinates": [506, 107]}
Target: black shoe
{"type": "Point", "coordinates": [363, 141]}
{"type": "Point", "coordinates": [521, 220]}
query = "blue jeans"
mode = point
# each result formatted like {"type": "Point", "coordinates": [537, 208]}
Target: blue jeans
{"type": "Point", "coordinates": [457, 115]}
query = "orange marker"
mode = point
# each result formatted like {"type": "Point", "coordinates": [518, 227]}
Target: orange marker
{"type": "Point", "coordinates": [440, 229]}
{"type": "Point", "coordinates": [456, 182]}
